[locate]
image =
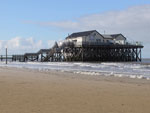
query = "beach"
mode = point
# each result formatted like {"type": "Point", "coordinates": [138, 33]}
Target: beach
{"type": "Point", "coordinates": [32, 91]}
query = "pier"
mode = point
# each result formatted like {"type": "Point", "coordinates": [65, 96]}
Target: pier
{"type": "Point", "coordinates": [86, 46]}
{"type": "Point", "coordinates": [104, 53]}
{"type": "Point", "coordinates": [86, 53]}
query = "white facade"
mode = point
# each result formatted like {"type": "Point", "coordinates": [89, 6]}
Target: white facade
{"type": "Point", "coordinates": [115, 39]}
{"type": "Point", "coordinates": [76, 40]}
{"type": "Point", "coordinates": [120, 39]}
{"type": "Point", "coordinates": [93, 38]}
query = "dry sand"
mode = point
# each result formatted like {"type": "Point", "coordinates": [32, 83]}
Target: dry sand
{"type": "Point", "coordinates": [26, 91]}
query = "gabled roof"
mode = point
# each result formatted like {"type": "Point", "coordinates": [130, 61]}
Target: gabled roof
{"type": "Point", "coordinates": [107, 36]}
{"type": "Point", "coordinates": [79, 34]}
{"type": "Point", "coordinates": [115, 35]}
{"type": "Point", "coordinates": [112, 36]}
{"type": "Point", "coordinates": [55, 45]}
{"type": "Point", "coordinates": [87, 33]}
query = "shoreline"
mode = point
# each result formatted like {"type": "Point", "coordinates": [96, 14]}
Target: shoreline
{"type": "Point", "coordinates": [86, 73]}
{"type": "Point", "coordinates": [71, 75]}
{"type": "Point", "coordinates": [133, 70]}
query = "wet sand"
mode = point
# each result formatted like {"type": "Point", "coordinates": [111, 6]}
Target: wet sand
{"type": "Point", "coordinates": [28, 91]}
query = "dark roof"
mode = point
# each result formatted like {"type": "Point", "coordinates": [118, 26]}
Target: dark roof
{"type": "Point", "coordinates": [115, 35]}
{"type": "Point", "coordinates": [112, 36]}
{"type": "Point", "coordinates": [106, 36]}
{"type": "Point", "coordinates": [78, 34]}
{"type": "Point", "coordinates": [55, 45]}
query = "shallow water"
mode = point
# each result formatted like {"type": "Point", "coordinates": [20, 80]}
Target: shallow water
{"type": "Point", "coordinates": [132, 70]}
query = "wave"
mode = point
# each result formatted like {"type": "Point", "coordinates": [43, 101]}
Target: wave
{"type": "Point", "coordinates": [132, 70]}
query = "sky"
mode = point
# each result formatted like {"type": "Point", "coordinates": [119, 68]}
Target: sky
{"type": "Point", "coordinates": [29, 25]}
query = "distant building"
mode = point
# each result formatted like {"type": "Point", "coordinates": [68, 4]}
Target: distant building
{"type": "Point", "coordinates": [115, 38]}
{"type": "Point", "coordinates": [95, 38]}
{"type": "Point", "coordinates": [87, 37]}
{"type": "Point", "coordinates": [87, 46]}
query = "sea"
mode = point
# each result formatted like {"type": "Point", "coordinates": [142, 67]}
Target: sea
{"type": "Point", "coordinates": [139, 70]}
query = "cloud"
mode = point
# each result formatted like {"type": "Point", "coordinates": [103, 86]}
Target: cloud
{"type": "Point", "coordinates": [133, 22]}
{"type": "Point", "coordinates": [20, 45]}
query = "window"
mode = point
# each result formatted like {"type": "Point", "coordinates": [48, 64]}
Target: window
{"type": "Point", "coordinates": [91, 38]}
{"type": "Point", "coordinates": [94, 34]}
{"type": "Point", "coordinates": [98, 40]}
{"type": "Point", "coordinates": [74, 40]}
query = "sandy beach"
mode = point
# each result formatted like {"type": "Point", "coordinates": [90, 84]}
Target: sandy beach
{"type": "Point", "coordinates": [30, 91]}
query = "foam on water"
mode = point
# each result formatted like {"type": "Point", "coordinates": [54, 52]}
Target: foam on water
{"type": "Point", "coordinates": [132, 70]}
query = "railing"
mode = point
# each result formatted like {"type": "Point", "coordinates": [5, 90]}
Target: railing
{"type": "Point", "coordinates": [106, 43]}
{"type": "Point", "coordinates": [91, 43]}
{"type": "Point", "coordinates": [4, 56]}
{"type": "Point", "coordinates": [137, 43]}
